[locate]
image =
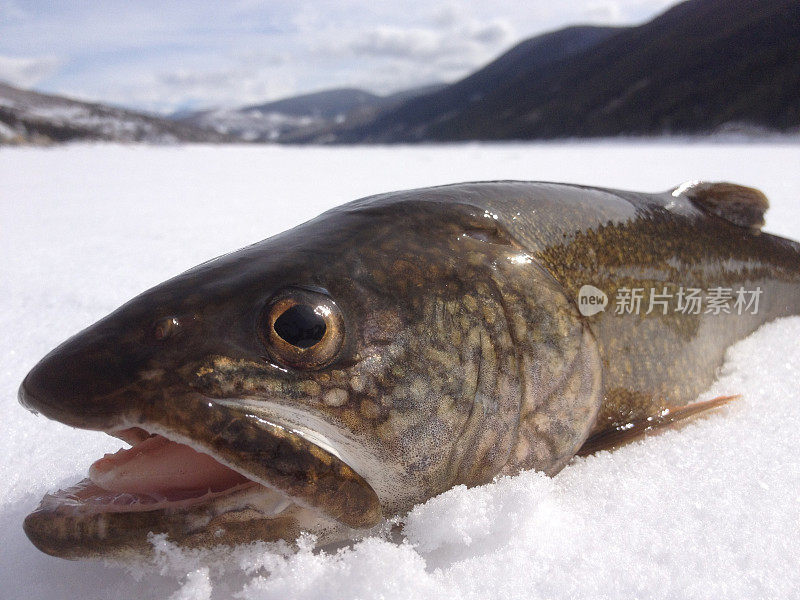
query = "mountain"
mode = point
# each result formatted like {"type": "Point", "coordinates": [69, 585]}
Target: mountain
{"type": "Point", "coordinates": [702, 66]}
{"type": "Point", "coordinates": [31, 117]}
{"type": "Point", "coordinates": [307, 114]}
{"type": "Point", "coordinates": [411, 119]}
{"type": "Point", "coordinates": [271, 120]}
{"type": "Point", "coordinates": [327, 104]}
{"type": "Point", "coordinates": [410, 93]}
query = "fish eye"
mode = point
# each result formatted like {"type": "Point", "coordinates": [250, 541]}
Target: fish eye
{"type": "Point", "coordinates": [303, 328]}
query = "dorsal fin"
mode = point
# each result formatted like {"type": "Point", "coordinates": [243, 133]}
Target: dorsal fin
{"type": "Point", "coordinates": [743, 206]}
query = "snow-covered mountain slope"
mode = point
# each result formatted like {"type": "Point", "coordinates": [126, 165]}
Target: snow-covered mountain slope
{"type": "Point", "coordinates": [253, 125]}
{"type": "Point", "coordinates": [27, 116]}
{"type": "Point", "coordinates": [300, 117]}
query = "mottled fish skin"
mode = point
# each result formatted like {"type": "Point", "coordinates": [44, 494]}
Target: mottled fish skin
{"type": "Point", "coordinates": [463, 356]}
{"type": "Point", "coordinates": [615, 239]}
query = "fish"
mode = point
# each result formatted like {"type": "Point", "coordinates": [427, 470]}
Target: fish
{"type": "Point", "coordinates": [329, 378]}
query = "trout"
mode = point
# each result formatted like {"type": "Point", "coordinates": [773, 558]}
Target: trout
{"type": "Point", "coordinates": [337, 374]}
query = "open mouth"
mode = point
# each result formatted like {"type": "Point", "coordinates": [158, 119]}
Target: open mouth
{"type": "Point", "coordinates": [269, 483]}
{"type": "Point", "coordinates": [155, 473]}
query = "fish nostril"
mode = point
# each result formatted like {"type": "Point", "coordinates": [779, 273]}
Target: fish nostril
{"type": "Point", "coordinates": [165, 328]}
{"type": "Point", "coordinates": [170, 326]}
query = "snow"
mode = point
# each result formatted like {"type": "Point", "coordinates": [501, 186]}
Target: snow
{"type": "Point", "coordinates": [102, 121]}
{"type": "Point", "coordinates": [251, 125]}
{"type": "Point", "coordinates": [6, 133]}
{"type": "Point", "coordinates": [707, 511]}
{"type": "Point", "coordinates": [37, 111]}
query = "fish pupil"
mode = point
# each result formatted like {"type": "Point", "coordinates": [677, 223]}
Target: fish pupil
{"type": "Point", "coordinates": [300, 326]}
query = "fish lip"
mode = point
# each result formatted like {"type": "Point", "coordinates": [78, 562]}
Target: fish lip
{"type": "Point", "coordinates": [60, 530]}
{"type": "Point", "coordinates": [67, 501]}
{"type": "Point", "coordinates": [274, 457]}
{"type": "Point", "coordinates": [65, 526]}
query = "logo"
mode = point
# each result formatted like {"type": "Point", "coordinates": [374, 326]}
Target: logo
{"type": "Point", "coordinates": [591, 300]}
{"type": "Point", "coordinates": [672, 298]}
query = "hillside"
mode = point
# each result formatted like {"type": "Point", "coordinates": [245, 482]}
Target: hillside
{"type": "Point", "coordinates": [304, 115]}
{"type": "Point", "coordinates": [701, 67]}
{"type": "Point", "coordinates": [411, 119]}
{"type": "Point", "coordinates": [327, 103]}
{"type": "Point", "coordinates": [31, 117]}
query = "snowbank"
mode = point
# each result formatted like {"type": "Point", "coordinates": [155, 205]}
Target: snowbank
{"type": "Point", "coordinates": [710, 510]}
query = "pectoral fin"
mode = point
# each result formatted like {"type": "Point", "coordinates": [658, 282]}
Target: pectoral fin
{"type": "Point", "coordinates": [623, 434]}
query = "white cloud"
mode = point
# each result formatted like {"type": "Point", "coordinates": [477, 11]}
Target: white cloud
{"type": "Point", "coordinates": [457, 35]}
{"type": "Point", "coordinates": [398, 42]}
{"type": "Point", "coordinates": [497, 31]}
{"type": "Point", "coordinates": [606, 11]}
{"type": "Point", "coordinates": [444, 46]}
{"type": "Point", "coordinates": [11, 12]}
{"type": "Point", "coordinates": [159, 56]}
{"type": "Point", "coordinates": [27, 71]}
{"type": "Point", "coordinates": [223, 88]}
{"type": "Point", "coordinates": [229, 84]}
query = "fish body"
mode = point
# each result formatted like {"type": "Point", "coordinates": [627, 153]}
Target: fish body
{"type": "Point", "coordinates": [338, 373]}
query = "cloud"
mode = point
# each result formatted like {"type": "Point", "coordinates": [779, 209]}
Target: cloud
{"type": "Point", "coordinates": [444, 45]}
{"type": "Point", "coordinates": [606, 11]}
{"type": "Point", "coordinates": [160, 56]}
{"type": "Point", "coordinates": [398, 42]}
{"type": "Point", "coordinates": [231, 87]}
{"type": "Point", "coordinates": [493, 33]}
{"type": "Point", "coordinates": [451, 35]}
{"type": "Point", "coordinates": [11, 12]}
{"type": "Point", "coordinates": [190, 87]}
{"type": "Point", "coordinates": [27, 71]}
{"type": "Point", "coordinates": [423, 44]}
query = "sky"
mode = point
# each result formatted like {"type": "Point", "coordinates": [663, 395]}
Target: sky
{"type": "Point", "coordinates": [168, 56]}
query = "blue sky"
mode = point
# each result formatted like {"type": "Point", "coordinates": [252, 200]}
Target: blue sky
{"type": "Point", "coordinates": [164, 56]}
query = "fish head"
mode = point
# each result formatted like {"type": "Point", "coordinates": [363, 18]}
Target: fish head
{"type": "Point", "coordinates": [320, 380]}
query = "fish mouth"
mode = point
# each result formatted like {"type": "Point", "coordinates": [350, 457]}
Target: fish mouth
{"type": "Point", "coordinates": [243, 479]}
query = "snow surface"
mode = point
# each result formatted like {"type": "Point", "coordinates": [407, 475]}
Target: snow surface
{"type": "Point", "coordinates": [707, 511]}
{"type": "Point", "coordinates": [251, 125]}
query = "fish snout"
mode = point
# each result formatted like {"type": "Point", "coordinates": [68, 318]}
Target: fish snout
{"type": "Point", "coordinates": [85, 382]}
